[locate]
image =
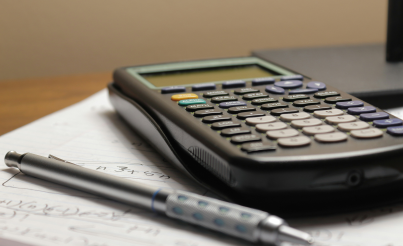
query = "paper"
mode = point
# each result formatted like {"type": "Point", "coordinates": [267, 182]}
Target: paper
{"type": "Point", "coordinates": [37, 212]}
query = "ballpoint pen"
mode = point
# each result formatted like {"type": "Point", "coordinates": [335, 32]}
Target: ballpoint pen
{"type": "Point", "coordinates": [246, 223]}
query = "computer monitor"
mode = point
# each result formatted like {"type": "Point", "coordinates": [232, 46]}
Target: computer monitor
{"type": "Point", "coordinates": [394, 42]}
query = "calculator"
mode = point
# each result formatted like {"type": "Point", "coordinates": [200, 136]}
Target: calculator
{"type": "Point", "coordinates": [264, 136]}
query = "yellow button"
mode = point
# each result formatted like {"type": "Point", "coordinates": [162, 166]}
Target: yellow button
{"type": "Point", "coordinates": [179, 97]}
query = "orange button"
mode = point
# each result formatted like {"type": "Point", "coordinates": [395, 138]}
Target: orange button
{"type": "Point", "coordinates": [179, 97]}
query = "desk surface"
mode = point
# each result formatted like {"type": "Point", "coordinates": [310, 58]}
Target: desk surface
{"type": "Point", "coordinates": [23, 101]}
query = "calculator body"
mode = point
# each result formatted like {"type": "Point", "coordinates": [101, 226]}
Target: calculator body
{"type": "Point", "coordinates": [300, 153]}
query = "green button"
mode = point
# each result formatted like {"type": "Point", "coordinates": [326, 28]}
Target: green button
{"type": "Point", "coordinates": [191, 101]}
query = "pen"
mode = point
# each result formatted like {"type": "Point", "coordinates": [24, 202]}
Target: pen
{"type": "Point", "coordinates": [246, 223]}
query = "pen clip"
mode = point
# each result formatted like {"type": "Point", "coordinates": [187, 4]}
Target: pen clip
{"type": "Point", "coordinates": [59, 159]}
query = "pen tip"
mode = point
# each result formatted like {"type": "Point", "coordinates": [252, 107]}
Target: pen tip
{"type": "Point", "coordinates": [289, 234]}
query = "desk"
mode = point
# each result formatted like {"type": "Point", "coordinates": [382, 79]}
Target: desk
{"type": "Point", "coordinates": [23, 101]}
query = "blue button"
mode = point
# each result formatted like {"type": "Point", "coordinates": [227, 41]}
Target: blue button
{"type": "Point", "coordinates": [374, 116]}
{"type": "Point", "coordinates": [223, 209]}
{"type": "Point", "coordinates": [232, 104]}
{"type": "Point", "coordinates": [182, 198]}
{"type": "Point", "coordinates": [202, 87]}
{"type": "Point", "coordinates": [172, 89]}
{"type": "Point", "coordinates": [263, 81]}
{"type": "Point", "coordinates": [177, 210]}
{"type": "Point", "coordinates": [233, 83]}
{"type": "Point", "coordinates": [240, 228]}
{"type": "Point", "coordinates": [274, 89]}
{"type": "Point", "coordinates": [202, 204]}
{"type": "Point", "coordinates": [395, 130]}
{"type": "Point", "coordinates": [317, 85]}
{"type": "Point", "coordinates": [198, 216]}
{"type": "Point", "coordinates": [313, 90]}
{"type": "Point", "coordinates": [292, 77]}
{"type": "Point", "coordinates": [387, 123]}
{"type": "Point", "coordinates": [349, 104]}
{"type": "Point", "coordinates": [289, 84]}
{"type": "Point", "coordinates": [219, 222]}
{"type": "Point", "coordinates": [361, 110]}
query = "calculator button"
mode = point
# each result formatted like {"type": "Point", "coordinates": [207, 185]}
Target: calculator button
{"type": "Point", "coordinates": [326, 113]}
{"type": "Point", "coordinates": [294, 141]}
{"type": "Point", "coordinates": [232, 104]}
{"type": "Point", "coordinates": [367, 133]}
{"type": "Point", "coordinates": [271, 106]}
{"type": "Point", "coordinates": [395, 130]}
{"type": "Point", "coordinates": [337, 99]}
{"type": "Point", "coordinates": [302, 103]}
{"type": "Point", "coordinates": [263, 81]}
{"type": "Point", "coordinates": [288, 84]}
{"type": "Point", "coordinates": [245, 138]}
{"type": "Point", "coordinates": [325, 94]}
{"type": "Point", "coordinates": [233, 83]}
{"type": "Point", "coordinates": [250, 114]}
{"type": "Point", "coordinates": [254, 96]}
{"type": "Point", "coordinates": [281, 111]}
{"type": "Point", "coordinates": [353, 126]}
{"type": "Point", "coordinates": [296, 116]}
{"type": "Point", "coordinates": [236, 110]}
{"type": "Point", "coordinates": [260, 120]}
{"type": "Point", "coordinates": [245, 91]}
{"type": "Point", "coordinates": [388, 122]}
{"type": "Point", "coordinates": [224, 124]}
{"type": "Point", "coordinates": [224, 99]}
{"type": "Point", "coordinates": [203, 87]}
{"type": "Point", "coordinates": [292, 98]}
{"type": "Point", "coordinates": [187, 102]}
{"type": "Point", "coordinates": [292, 77]}
{"type": "Point", "coordinates": [313, 108]}
{"type": "Point", "coordinates": [302, 91]}
{"type": "Point", "coordinates": [316, 85]}
{"type": "Point", "coordinates": [374, 116]}
{"type": "Point", "coordinates": [215, 118]}
{"type": "Point", "coordinates": [235, 131]}
{"type": "Point", "coordinates": [271, 126]}
{"type": "Point", "coordinates": [331, 137]}
{"type": "Point", "coordinates": [207, 112]}
{"type": "Point", "coordinates": [171, 89]}
{"type": "Point", "coordinates": [307, 122]}
{"type": "Point", "coordinates": [349, 104]}
{"type": "Point", "coordinates": [312, 130]}
{"type": "Point", "coordinates": [215, 94]}
{"type": "Point", "coordinates": [275, 89]}
{"type": "Point", "coordinates": [257, 147]}
{"type": "Point", "coordinates": [340, 119]}
{"type": "Point", "coordinates": [361, 110]}
{"type": "Point", "coordinates": [263, 100]}
{"type": "Point", "coordinates": [194, 107]}
{"type": "Point", "coordinates": [179, 97]}
{"type": "Point", "coordinates": [286, 133]}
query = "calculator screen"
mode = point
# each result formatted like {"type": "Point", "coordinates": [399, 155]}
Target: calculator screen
{"type": "Point", "coordinates": [186, 77]}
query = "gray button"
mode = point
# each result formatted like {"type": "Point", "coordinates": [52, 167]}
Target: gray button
{"type": "Point", "coordinates": [286, 133]}
{"type": "Point", "coordinates": [312, 130]}
{"type": "Point", "coordinates": [367, 133]}
{"type": "Point", "coordinates": [353, 126]}
{"type": "Point", "coordinates": [260, 120]}
{"type": "Point", "coordinates": [307, 122]}
{"type": "Point", "coordinates": [327, 113]}
{"type": "Point", "coordinates": [295, 116]}
{"type": "Point", "coordinates": [341, 119]}
{"type": "Point", "coordinates": [294, 142]}
{"type": "Point", "coordinates": [271, 126]}
{"type": "Point", "coordinates": [331, 137]}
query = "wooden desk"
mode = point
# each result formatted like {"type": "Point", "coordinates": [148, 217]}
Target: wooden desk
{"type": "Point", "coordinates": [23, 101]}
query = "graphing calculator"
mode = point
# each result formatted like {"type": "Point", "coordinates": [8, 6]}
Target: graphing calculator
{"type": "Point", "coordinates": [263, 135]}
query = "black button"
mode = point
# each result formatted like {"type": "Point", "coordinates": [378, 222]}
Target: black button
{"type": "Point", "coordinates": [302, 103]}
{"type": "Point", "coordinates": [245, 90]}
{"type": "Point", "coordinates": [292, 98]}
{"type": "Point", "coordinates": [271, 106]}
{"type": "Point", "coordinates": [245, 138]}
{"type": "Point", "coordinates": [316, 107]}
{"type": "Point", "coordinates": [223, 99]}
{"type": "Point", "coordinates": [194, 107]}
{"type": "Point", "coordinates": [281, 111]}
{"type": "Point", "coordinates": [254, 96]}
{"type": "Point", "coordinates": [235, 131]}
{"type": "Point", "coordinates": [224, 124]}
{"type": "Point", "coordinates": [337, 99]}
{"type": "Point", "coordinates": [325, 94]}
{"type": "Point", "coordinates": [215, 94]}
{"type": "Point", "coordinates": [215, 118]}
{"type": "Point", "coordinates": [257, 147]}
{"type": "Point", "coordinates": [250, 114]}
{"type": "Point", "coordinates": [263, 100]}
{"type": "Point", "coordinates": [207, 112]}
{"type": "Point", "coordinates": [236, 110]}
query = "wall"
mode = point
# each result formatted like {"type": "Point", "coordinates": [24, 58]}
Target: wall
{"type": "Point", "coordinates": [50, 37]}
